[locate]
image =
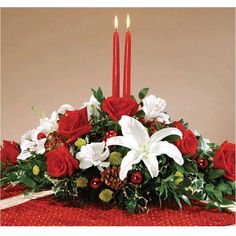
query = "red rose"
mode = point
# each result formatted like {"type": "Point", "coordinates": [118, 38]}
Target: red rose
{"type": "Point", "coordinates": [9, 152]}
{"type": "Point", "coordinates": [74, 124]}
{"type": "Point", "coordinates": [116, 107]}
{"type": "Point", "coordinates": [224, 159]}
{"type": "Point", "coordinates": [60, 162]}
{"type": "Point", "coordinates": [189, 143]}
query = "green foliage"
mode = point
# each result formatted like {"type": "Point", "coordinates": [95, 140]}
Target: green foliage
{"type": "Point", "coordinates": [215, 173]}
{"type": "Point", "coordinates": [98, 94]}
{"type": "Point", "coordinates": [143, 93]}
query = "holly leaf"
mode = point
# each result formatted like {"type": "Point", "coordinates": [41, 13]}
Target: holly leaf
{"type": "Point", "coordinates": [98, 94]}
{"type": "Point", "coordinates": [143, 93]}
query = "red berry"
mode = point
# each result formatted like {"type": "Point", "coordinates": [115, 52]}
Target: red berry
{"type": "Point", "coordinates": [141, 119]}
{"type": "Point", "coordinates": [41, 135]}
{"type": "Point", "coordinates": [202, 163]}
{"type": "Point", "coordinates": [95, 183]}
{"type": "Point", "coordinates": [136, 178]}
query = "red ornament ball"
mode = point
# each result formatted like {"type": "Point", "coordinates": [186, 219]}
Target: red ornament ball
{"type": "Point", "coordinates": [41, 135]}
{"type": "Point", "coordinates": [136, 178]}
{"type": "Point", "coordinates": [109, 134]}
{"type": "Point", "coordinates": [202, 163]}
{"type": "Point", "coordinates": [95, 183]}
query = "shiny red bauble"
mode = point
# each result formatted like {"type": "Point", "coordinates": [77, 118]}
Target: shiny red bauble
{"type": "Point", "coordinates": [110, 134]}
{"type": "Point", "coordinates": [95, 183]}
{"type": "Point", "coordinates": [136, 178]}
{"type": "Point", "coordinates": [202, 163]}
{"type": "Point", "coordinates": [41, 135]}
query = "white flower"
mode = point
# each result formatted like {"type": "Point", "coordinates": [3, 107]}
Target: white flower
{"type": "Point", "coordinates": [29, 144]}
{"type": "Point", "coordinates": [196, 133]}
{"type": "Point", "coordinates": [92, 106]}
{"type": "Point", "coordinates": [93, 154]}
{"type": "Point", "coordinates": [153, 107]}
{"type": "Point", "coordinates": [145, 148]}
{"type": "Point", "coordinates": [205, 145]}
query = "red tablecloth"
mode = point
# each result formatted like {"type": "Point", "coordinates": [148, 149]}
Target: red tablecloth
{"type": "Point", "coordinates": [48, 212]}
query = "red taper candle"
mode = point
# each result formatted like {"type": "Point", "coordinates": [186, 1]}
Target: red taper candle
{"type": "Point", "coordinates": [116, 62]}
{"type": "Point", "coordinates": [127, 61]}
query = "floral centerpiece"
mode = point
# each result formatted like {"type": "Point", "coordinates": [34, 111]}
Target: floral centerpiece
{"type": "Point", "coordinates": [120, 152]}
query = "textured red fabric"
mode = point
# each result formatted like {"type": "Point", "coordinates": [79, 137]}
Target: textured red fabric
{"type": "Point", "coordinates": [48, 212]}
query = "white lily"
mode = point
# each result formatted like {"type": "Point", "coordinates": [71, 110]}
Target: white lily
{"type": "Point", "coordinates": [153, 107]}
{"type": "Point", "coordinates": [93, 154]}
{"type": "Point", "coordinates": [144, 148]}
{"type": "Point", "coordinates": [92, 106]}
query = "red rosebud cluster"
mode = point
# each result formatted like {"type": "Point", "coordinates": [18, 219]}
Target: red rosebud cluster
{"type": "Point", "coordinates": [117, 107]}
{"type": "Point", "coordinates": [224, 159]}
{"type": "Point", "coordinates": [189, 143]}
{"type": "Point", "coordinates": [60, 162]}
{"type": "Point", "coordinates": [9, 152]}
{"type": "Point", "coordinates": [74, 124]}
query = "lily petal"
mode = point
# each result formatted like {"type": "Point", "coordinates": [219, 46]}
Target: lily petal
{"type": "Point", "coordinates": [152, 165]}
{"type": "Point", "coordinates": [169, 149]}
{"type": "Point", "coordinates": [130, 159]}
{"type": "Point", "coordinates": [163, 133]}
{"type": "Point", "coordinates": [133, 130]}
{"type": "Point", "coordinates": [122, 141]}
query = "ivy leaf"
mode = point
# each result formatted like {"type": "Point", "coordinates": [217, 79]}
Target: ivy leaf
{"type": "Point", "coordinates": [186, 199]}
{"type": "Point", "coordinates": [143, 93]}
{"type": "Point", "coordinates": [27, 181]}
{"type": "Point", "coordinates": [214, 173]}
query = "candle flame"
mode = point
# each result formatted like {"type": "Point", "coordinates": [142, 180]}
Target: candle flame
{"type": "Point", "coordinates": [116, 23]}
{"type": "Point", "coordinates": [128, 22]}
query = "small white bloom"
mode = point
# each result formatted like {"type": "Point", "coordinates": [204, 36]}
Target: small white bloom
{"type": "Point", "coordinates": [144, 148]}
{"type": "Point", "coordinates": [153, 108]}
{"type": "Point", "coordinates": [92, 106]}
{"type": "Point", "coordinates": [64, 108]}
{"type": "Point", "coordinates": [205, 145]}
{"type": "Point", "coordinates": [93, 154]}
{"type": "Point", "coordinates": [29, 147]}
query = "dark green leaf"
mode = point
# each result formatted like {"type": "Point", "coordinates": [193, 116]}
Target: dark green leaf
{"type": "Point", "coordinates": [209, 188]}
{"type": "Point", "coordinates": [223, 187]}
{"type": "Point", "coordinates": [218, 195]}
{"type": "Point", "coordinates": [27, 181]}
{"type": "Point", "coordinates": [215, 173]}
{"type": "Point", "coordinates": [143, 93]}
{"type": "Point", "coordinates": [172, 138]}
{"type": "Point", "coordinates": [211, 205]}
{"type": "Point", "coordinates": [140, 114]}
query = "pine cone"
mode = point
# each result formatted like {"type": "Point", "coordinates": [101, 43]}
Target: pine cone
{"type": "Point", "coordinates": [110, 176]}
{"type": "Point", "coordinates": [54, 140]}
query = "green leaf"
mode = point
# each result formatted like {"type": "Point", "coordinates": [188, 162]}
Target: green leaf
{"type": "Point", "coordinates": [27, 181]}
{"type": "Point", "coordinates": [143, 93]}
{"type": "Point", "coordinates": [140, 114]}
{"type": "Point", "coordinates": [186, 199]}
{"type": "Point", "coordinates": [98, 94]}
{"type": "Point", "coordinates": [215, 173]}
{"type": "Point", "coordinates": [209, 188]}
{"type": "Point", "coordinates": [178, 201]}
{"type": "Point", "coordinates": [211, 205]}
{"type": "Point", "coordinates": [218, 195]}
{"type": "Point", "coordinates": [172, 138]}
{"type": "Point", "coordinates": [223, 187]}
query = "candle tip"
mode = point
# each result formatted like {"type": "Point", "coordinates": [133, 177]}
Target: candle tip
{"type": "Point", "coordinates": [128, 22]}
{"type": "Point", "coordinates": [116, 23]}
